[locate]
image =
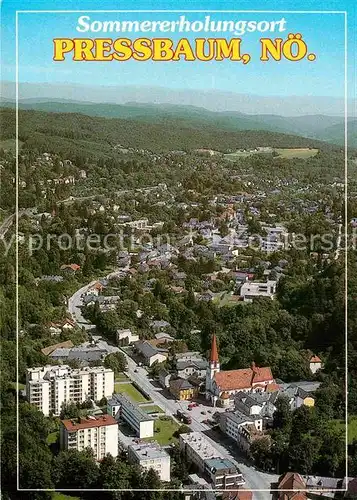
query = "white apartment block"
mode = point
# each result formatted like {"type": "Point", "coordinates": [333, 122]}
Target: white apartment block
{"type": "Point", "coordinates": [221, 473]}
{"type": "Point", "coordinates": [47, 387]}
{"type": "Point", "coordinates": [251, 290]}
{"type": "Point", "coordinates": [120, 407]}
{"type": "Point", "coordinates": [197, 448]}
{"type": "Point", "coordinates": [98, 433]}
{"type": "Point", "coordinates": [151, 456]}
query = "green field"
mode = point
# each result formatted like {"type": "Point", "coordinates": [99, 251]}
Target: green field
{"type": "Point", "coordinates": [296, 153]}
{"type": "Point", "coordinates": [163, 431]}
{"type": "Point", "coordinates": [352, 427]}
{"type": "Point", "coordinates": [152, 409]}
{"type": "Point", "coordinates": [131, 392]}
{"type": "Point", "coordinates": [119, 377]}
{"type": "Point", "coordinates": [236, 155]}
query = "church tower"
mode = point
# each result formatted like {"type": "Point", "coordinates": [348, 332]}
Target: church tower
{"type": "Point", "coordinates": [212, 369]}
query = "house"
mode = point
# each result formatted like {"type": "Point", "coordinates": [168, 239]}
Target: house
{"type": "Point", "coordinates": [251, 290]}
{"type": "Point", "coordinates": [159, 325]}
{"type": "Point", "coordinates": [94, 289]}
{"type": "Point", "coordinates": [188, 368]}
{"type": "Point", "coordinates": [315, 364]}
{"type": "Point", "coordinates": [126, 337]}
{"type": "Point", "coordinates": [48, 350]}
{"type": "Point", "coordinates": [164, 337]}
{"type": "Point", "coordinates": [150, 353]}
{"type": "Point", "coordinates": [164, 378]}
{"type": "Point", "coordinates": [56, 328]}
{"type": "Point", "coordinates": [71, 268]}
{"type": "Point", "coordinates": [299, 393]}
{"type": "Point", "coordinates": [291, 486]}
{"type": "Point", "coordinates": [182, 389]}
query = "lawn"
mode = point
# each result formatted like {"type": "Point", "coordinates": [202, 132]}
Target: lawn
{"type": "Point", "coordinates": [163, 431]}
{"type": "Point", "coordinates": [52, 437]}
{"type": "Point", "coordinates": [20, 387]}
{"type": "Point", "coordinates": [152, 409]}
{"type": "Point", "coordinates": [296, 153]}
{"type": "Point", "coordinates": [61, 496]}
{"type": "Point", "coordinates": [131, 392]}
{"type": "Point", "coordinates": [352, 427]}
{"type": "Point", "coordinates": [119, 377]}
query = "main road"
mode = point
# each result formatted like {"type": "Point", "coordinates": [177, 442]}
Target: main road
{"type": "Point", "coordinates": [254, 480]}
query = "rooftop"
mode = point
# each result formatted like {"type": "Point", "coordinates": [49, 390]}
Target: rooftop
{"type": "Point", "coordinates": [198, 442]}
{"type": "Point", "coordinates": [138, 413]}
{"type": "Point", "coordinates": [243, 378]}
{"type": "Point", "coordinates": [220, 463]}
{"type": "Point", "coordinates": [73, 425]}
{"type": "Point", "coordinates": [148, 451]}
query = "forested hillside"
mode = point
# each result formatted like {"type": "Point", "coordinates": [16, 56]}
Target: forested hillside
{"type": "Point", "coordinates": [72, 133]}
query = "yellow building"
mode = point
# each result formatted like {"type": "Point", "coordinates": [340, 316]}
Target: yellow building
{"type": "Point", "coordinates": [182, 389]}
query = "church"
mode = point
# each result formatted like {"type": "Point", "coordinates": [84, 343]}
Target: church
{"type": "Point", "coordinates": [220, 385]}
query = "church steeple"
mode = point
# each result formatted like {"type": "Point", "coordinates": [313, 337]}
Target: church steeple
{"type": "Point", "coordinates": [214, 351]}
{"type": "Point", "coordinates": [212, 369]}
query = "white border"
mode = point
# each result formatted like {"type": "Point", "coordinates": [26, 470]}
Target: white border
{"type": "Point", "coordinates": [182, 490]}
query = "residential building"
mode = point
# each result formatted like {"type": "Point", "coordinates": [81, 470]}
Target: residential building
{"type": "Point", "coordinates": [164, 378]}
{"type": "Point", "coordinates": [98, 433]}
{"type": "Point", "coordinates": [220, 385]}
{"type": "Point", "coordinates": [221, 473]}
{"type": "Point", "coordinates": [182, 389]}
{"type": "Point", "coordinates": [251, 290]}
{"type": "Point", "coordinates": [194, 367]}
{"type": "Point", "coordinates": [315, 364]}
{"type": "Point", "coordinates": [48, 387]}
{"type": "Point", "coordinates": [291, 486]}
{"type": "Point", "coordinates": [149, 353]}
{"type": "Point", "coordinates": [126, 337]}
{"type": "Point", "coordinates": [151, 456]}
{"type": "Point", "coordinates": [121, 407]}
{"type": "Point", "coordinates": [94, 350]}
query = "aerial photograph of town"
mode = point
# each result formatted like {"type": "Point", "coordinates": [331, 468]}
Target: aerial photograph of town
{"type": "Point", "coordinates": [178, 265]}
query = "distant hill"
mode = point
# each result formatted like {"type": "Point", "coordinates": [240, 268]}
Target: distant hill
{"type": "Point", "coordinates": [325, 128]}
{"type": "Point", "coordinates": [95, 136]}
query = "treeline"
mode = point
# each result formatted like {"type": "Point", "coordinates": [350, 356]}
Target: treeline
{"type": "Point", "coordinates": [58, 132]}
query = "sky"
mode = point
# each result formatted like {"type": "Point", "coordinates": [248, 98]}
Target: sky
{"type": "Point", "coordinates": [323, 33]}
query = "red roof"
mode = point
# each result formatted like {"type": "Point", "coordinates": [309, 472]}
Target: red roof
{"type": "Point", "coordinates": [214, 351]}
{"type": "Point", "coordinates": [291, 483]}
{"type": "Point", "coordinates": [85, 423]}
{"type": "Point", "coordinates": [315, 359]}
{"type": "Point", "coordinates": [242, 379]}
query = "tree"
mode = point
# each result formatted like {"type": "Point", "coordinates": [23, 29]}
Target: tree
{"type": "Point", "coordinates": [116, 362]}
{"type": "Point", "coordinates": [282, 418]}
{"type": "Point", "coordinates": [75, 469]}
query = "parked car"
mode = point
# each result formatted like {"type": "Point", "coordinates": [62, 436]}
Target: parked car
{"type": "Point", "coordinates": [203, 412]}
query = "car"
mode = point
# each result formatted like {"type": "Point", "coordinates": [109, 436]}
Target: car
{"type": "Point", "coordinates": [135, 371]}
{"type": "Point", "coordinates": [190, 408]}
{"type": "Point", "coordinates": [203, 412]}
{"type": "Point", "coordinates": [209, 411]}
